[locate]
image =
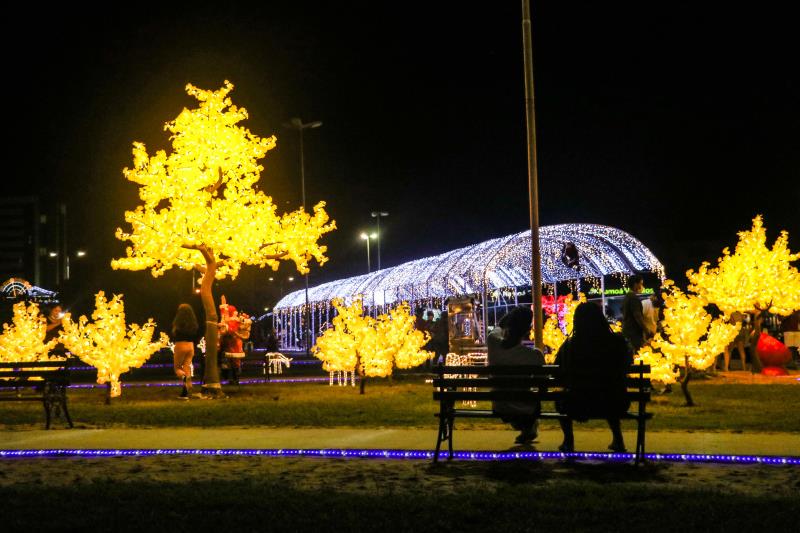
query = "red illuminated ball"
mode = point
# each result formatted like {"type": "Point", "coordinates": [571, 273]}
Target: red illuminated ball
{"type": "Point", "coordinates": [772, 352]}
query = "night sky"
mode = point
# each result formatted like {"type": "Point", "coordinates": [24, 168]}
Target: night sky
{"type": "Point", "coordinates": [674, 122]}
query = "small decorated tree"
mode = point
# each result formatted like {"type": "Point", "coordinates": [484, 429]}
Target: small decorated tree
{"type": "Point", "coordinates": [662, 369]}
{"type": "Point", "coordinates": [553, 334]}
{"type": "Point", "coordinates": [372, 347]}
{"type": "Point", "coordinates": [108, 344]}
{"type": "Point", "coordinates": [202, 208]}
{"type": "Point", "coordinates": [23, 339]}
{"type": "Point", "coordinates": [692, 339]}
{"type": "Point", "coordinates": [754, 279]}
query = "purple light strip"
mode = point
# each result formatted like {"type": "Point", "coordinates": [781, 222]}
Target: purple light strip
{"type": "Point", "coordinates": [178, 384]}
{"type": "Point", "coordinates": [408, 454]}
{"type": "Point", "coordinates": [196, 365]}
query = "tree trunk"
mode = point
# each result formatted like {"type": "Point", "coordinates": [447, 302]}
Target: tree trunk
{"type": "Point", "coordinates": [108, 392]}
{"type": "Point", "coordinates": [211, 382]}
{"type": "Point", "coordinates": [755, 362]}
{"type": "Point", "coordinates": [363, 380]}
{"type": "Point", "coordinates": [685, 385]}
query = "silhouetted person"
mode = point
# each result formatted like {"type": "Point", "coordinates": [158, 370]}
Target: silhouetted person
{"type": "Point", "coordinates": [595, 361]}
{"type": "Point", "coordinates": [184, 336]}
{"type": "Point", "coordinates": [504, 346]}
{"type": "Point", "coordinates": [633, 324]}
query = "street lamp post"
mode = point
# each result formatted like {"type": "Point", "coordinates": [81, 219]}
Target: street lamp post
{"type": "Point", "coordinates": [297, 124]}
{"type": "Point", "coordinates": [377, 215]}
{"type": "Point", "coordinates": [366, 237]}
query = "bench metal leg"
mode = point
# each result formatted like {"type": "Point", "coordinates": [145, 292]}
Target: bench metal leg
{"type": "Point", "coordinates": [64, 407]}
{"type": "Point", "coordinates": [640, 441]}
{"type": "Point", "coordinates": [450, 421]}
{"type": "Point", "coordinates": [441, 436]}
{"type": "Point", "coordinates": [47, 409]}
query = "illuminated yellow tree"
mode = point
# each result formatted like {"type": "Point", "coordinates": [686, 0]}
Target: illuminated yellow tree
{"type": "Point", "coordinates": [662, 369]}
{"type": "Point", "coordinates": [372, 347]}
{"type": "Point", "coordinates": [691, 338]}
{"type": "Point", "coordinates": [202, 208]}
{"type": "Point", "coordinates": [108, 344]}
{"type": "Point", "coordinates": [23, 339]}
{"type": "Point", "coordinates": [552, 334]}
{"type": "Point", "coordinates": [754, 279]}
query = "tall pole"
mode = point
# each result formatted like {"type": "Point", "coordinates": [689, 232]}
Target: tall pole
{"type": "Point", "coordinates": [378, 215]}
{"type": "Point", "coordinates": [369, 268]}
{"type": "Point", "coordinates": [297, 124]}
{"type": "Point", "coordinates": [533, 176]}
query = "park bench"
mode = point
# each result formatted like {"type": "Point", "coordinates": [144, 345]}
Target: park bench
{"type": "Point", "coordinates": [472, 384]}
{"type": "Point", "coordinates": [44, 381]}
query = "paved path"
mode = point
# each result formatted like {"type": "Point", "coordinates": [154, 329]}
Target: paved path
{"type": "Point", "coordinates": [421, 439]}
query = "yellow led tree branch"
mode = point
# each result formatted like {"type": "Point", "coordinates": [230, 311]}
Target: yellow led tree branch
{"type": "Point", "coordinates": [107, 343]}
{"type": "Point", "coordinates": [23, 339]}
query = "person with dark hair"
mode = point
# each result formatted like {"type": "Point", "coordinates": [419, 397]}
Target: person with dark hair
{"type": "Point", "coordinates": [54, 316]}
{"type": "Point", "coordinates": [633, 323]}
{"type": "Point", "coordinates": [595, 361]}
{"type": "Point", "coordinates": [184, 336]}
{"type": "Point", "coordinates": [505, 347]}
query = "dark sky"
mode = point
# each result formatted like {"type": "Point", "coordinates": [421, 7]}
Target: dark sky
{"type": "Point", "coordinates": [676, 122]}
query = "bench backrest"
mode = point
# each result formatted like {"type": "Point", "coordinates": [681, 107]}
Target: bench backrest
{"type": "Point", "coordinates": [502, 378]}
{"type": "Point", "coordinates": [25, 374]}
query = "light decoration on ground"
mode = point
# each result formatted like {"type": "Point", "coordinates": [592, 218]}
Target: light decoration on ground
{"type": "Point", "coordinates": [202, 208]}
{"type": "Point", "coordinates": [108, 344]}
{"type": "Point", "coordinates": [371, 347]}
{"type": "Point", "coordinates": [754, 278]}
{"type": "Point", "coordinates": [23, 339]}
{"type": "Point", "coordinates": [400, 454]}
{"type": "Point", "coordinates": [692, 339]}
{"type": "Point", "coordinates": [494, 264]}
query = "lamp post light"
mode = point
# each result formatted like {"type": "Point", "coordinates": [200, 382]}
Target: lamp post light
{"type": "Point", "coordinates": [377, 215]}
{"type": "Point", "coordinates": [366, 237]}
{"type": "Point", "coordinates": [297, 124]}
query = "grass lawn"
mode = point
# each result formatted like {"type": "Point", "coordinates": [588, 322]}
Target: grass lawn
{"type": "Point", "coordinates": [405, 403]}
{"type": "Point", "coordinates": [239, 494]}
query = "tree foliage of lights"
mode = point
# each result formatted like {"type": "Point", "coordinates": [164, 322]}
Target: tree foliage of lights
{"type": "Point", "coordinates": [202, 207]}
{"type": "Point", "coordinates": [107, 343]}
{"type": "Point", "coordinates": [752, 279]}
{"type": "Point", "coordinates": [373, 347]}
{"type": "Point", "coordinates": [23, 339]}
{"type": "Point", "coordinates": [662, 368]}
{"type": "Point", "coordinates": [692, 339]}
{"type": "Point", "coordinates": [553, 335]}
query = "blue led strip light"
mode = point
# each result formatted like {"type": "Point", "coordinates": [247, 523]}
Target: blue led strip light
{"type": "Point", "coordinates": [178, 384]}
{"type": "Point", "coordinates": [410, 454]}
{"type": "Point", "coordinates": [196, 365]}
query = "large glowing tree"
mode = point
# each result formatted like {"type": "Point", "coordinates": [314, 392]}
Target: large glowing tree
{"type": "Point", "coordinates": [108, 344]}
{"type": "Point", "coordinates": [202, 208]}
{"type": "Point", "coordinates": [692, 339]}
{"type": "Point", "coordinates": [754, 279]}
{"type": "Point", "coordinates": [23, 339]}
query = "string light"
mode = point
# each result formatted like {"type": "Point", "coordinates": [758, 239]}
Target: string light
{"type": "Point", "coordinates": [400, 454]}
{"type": "Point", "coordinates": [496, 264]}
{"type": "Point", "coordinates": [107, 343]}
{"type": "Point", "coordinates": [555, 330]}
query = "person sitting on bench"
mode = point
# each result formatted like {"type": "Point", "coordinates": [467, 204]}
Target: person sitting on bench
{"type": "Point", "coordinates": [504, 347]}
{"type": "Point", "coordinates": [594, 361]}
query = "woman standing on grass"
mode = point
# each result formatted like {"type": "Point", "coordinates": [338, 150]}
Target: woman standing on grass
{"type": "Point", "coordinates": [184, 335]}
{"type": "Point", "coordinates": [595, 362]}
